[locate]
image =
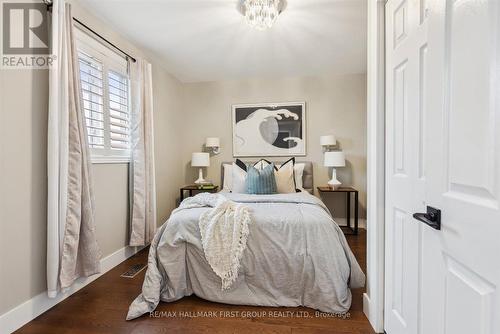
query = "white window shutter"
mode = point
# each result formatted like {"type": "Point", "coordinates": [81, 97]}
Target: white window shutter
{"type": "Point", "coordinates": [92, 91]}
{"type": "Point", "coordinates": [105, 91]}
{"type": "Point", "coordinates": [118, 111]}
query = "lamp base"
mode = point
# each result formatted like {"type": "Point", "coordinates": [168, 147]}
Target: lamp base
{"type": "Point", "coordinates": [200, 180]}
{"type": "Point", "coordinates": [334, 183]}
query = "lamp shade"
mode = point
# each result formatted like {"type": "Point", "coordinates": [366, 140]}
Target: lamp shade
{"type": "Point", "coordinates": [334, 159]}
{"type": "Point", "coordinates": [212, 142]}
{"type": "Point", "coordinates": [200, 159]}
{"type": "Point", "coordinates": [328, 140]}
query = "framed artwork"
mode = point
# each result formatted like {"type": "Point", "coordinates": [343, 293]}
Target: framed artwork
{"type": "Point", "coordinates": [269, 129]}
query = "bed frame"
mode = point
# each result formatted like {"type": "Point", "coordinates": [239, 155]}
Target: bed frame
{"type": "Point", "coordinates": [307, 177]}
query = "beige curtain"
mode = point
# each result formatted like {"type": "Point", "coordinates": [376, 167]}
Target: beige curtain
{"type": "Point", "coordinates": [72, 249]}
{"type": "Point", "coordinates": [142, 172]}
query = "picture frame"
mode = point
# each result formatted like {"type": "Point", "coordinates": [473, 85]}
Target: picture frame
{"type": "Point", "coordinates": [269, 129]}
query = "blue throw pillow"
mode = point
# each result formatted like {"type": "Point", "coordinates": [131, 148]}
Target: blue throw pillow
{"type": "Point", "coordinates": [262, 181]}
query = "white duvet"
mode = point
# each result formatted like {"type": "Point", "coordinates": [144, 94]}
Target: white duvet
{"type": "Point", "coordinates": [295, 255]}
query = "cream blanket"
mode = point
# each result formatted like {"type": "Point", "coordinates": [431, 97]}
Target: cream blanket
{"type": "Point", "coordinates": [224, 232]}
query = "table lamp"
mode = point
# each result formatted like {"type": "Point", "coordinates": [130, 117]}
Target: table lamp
{"type": "Point", "coordinates": [201, 160]}
{"type": "Point", "coordinates": [334, 159]}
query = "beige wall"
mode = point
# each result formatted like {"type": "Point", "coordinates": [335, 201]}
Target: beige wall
{"type": "Point", "coordinates": [335, 105]}
{"type": "Point", "coordinates": [23, 123]}
{"type": "Point", "coordinates": [23, 186]}
{"type": "Point", "coordinates": [169, 126]}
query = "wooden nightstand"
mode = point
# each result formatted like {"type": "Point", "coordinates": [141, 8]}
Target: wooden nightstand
{"type": "Point", "coordinates": [193, 189]}
{"type": "Point", "coordinates": [348, 191]}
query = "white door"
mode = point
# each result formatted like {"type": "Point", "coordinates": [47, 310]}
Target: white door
{"type": "Point", "coordinates": [406, 47]}
{"type": "Point", "coordinates": [461, 262]}
{"type": "Point", "coordinates": [443, 281]}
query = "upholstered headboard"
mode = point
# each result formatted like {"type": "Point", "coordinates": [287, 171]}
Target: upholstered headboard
{"type": "Point", "coordinates": [307, 177]}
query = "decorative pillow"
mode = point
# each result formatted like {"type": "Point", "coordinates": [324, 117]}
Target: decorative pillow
{"type": "Point", "coordinates": [228, 177]}
{"type": "Point", "coordinates": [241, 164]}
{"type": "Point", "coordinates": [261, 163]}
{"type": "Point", "coordinates": [285, 180]}
{"type": "Point", "coordinates": [239, 175]}
{"type": "Point", "coordinates": [298, 171]}
{"type": "Point", "coordinates": [261, 181]}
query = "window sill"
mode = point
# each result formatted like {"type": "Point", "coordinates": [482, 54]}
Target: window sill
{"type": "Point", "coordinates": [109, 160]}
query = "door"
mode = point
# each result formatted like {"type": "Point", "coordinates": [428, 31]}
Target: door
{"type": "Point", "coordinates": [443, 281]}
{"type": "Point", "coordinates": [461, 262]}
{"type": "Point", "coordinates": [406, 50]}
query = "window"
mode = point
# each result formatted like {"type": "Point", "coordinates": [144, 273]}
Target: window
{"type": "Point", "coordinates": [105, 92]}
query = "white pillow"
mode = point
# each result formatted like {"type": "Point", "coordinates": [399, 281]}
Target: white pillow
{"type": "Point", "coordinates": [228, 177]}
{"type": "Point", "coordinates": [238, 178]}
{"type": "Point", "coordinates": [298, 170]}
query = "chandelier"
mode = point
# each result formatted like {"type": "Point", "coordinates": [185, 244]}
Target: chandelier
{"type": "Point", "coordinates": [261, 14]}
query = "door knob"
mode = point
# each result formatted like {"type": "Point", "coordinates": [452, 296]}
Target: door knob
{"type": "Point", "coordinates": [432, 217]}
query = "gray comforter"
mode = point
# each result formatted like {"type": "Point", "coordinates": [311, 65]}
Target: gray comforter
{"type": "Point", "coordinates": [296, 255]}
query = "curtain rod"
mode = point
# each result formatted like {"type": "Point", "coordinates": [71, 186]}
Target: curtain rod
{"type": "Point", "coordinates": [49, 7]}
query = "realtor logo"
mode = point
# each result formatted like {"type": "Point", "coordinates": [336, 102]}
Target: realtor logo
{"type": "Point", "coordinates": [25, 28]}
{"type": "Point", "coordinates": [25, 35]}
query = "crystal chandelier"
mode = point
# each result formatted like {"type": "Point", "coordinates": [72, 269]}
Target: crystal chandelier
{"type": "Point", "coordinates": [261, 14]}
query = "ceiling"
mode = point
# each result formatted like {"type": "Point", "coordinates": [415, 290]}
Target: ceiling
{"type": "Point", "coordinates": [208, 40]}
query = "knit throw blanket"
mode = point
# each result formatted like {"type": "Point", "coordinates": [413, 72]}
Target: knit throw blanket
{"type": "Point", "coordinates": [224, 232]}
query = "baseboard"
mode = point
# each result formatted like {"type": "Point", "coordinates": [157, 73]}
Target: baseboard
{"type": "Point", "coordinates": [342, 221]}
{"type": "Point", "coordinates": [366, 305]}
{"type": "Point", "coordinates": [29, 310]}
{"type": "Point", "coordinates": [367, 310]}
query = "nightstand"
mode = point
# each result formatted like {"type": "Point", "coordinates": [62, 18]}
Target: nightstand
{"type": "Point", "coordinates": [193, 189]}
{"type": "Point", "coordinates": [349, 191]}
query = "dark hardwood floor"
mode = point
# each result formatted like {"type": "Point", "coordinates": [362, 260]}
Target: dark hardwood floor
{"type": "Point", "coordinates": [101, 307]}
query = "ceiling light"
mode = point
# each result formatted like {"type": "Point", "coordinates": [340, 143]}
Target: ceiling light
{"type": "Point", "coordinates": [261, 14]}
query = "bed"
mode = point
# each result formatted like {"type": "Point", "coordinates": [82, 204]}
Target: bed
{"type": "Point", "coordinates": [296, 255]}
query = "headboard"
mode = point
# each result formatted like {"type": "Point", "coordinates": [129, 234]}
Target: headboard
{"type": "Point", "coordinates": [307, 177]}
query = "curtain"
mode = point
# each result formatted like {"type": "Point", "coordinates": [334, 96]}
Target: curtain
{"type": "Point", "coordinates": [72, 249]}
{"type": "Point", "coordinates": [142, 172]}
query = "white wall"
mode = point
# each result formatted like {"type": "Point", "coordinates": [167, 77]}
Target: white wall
{"type": "Point", "coordinates": [23, 186]}
{"type": "Point", "coordinates": [335, 105]}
